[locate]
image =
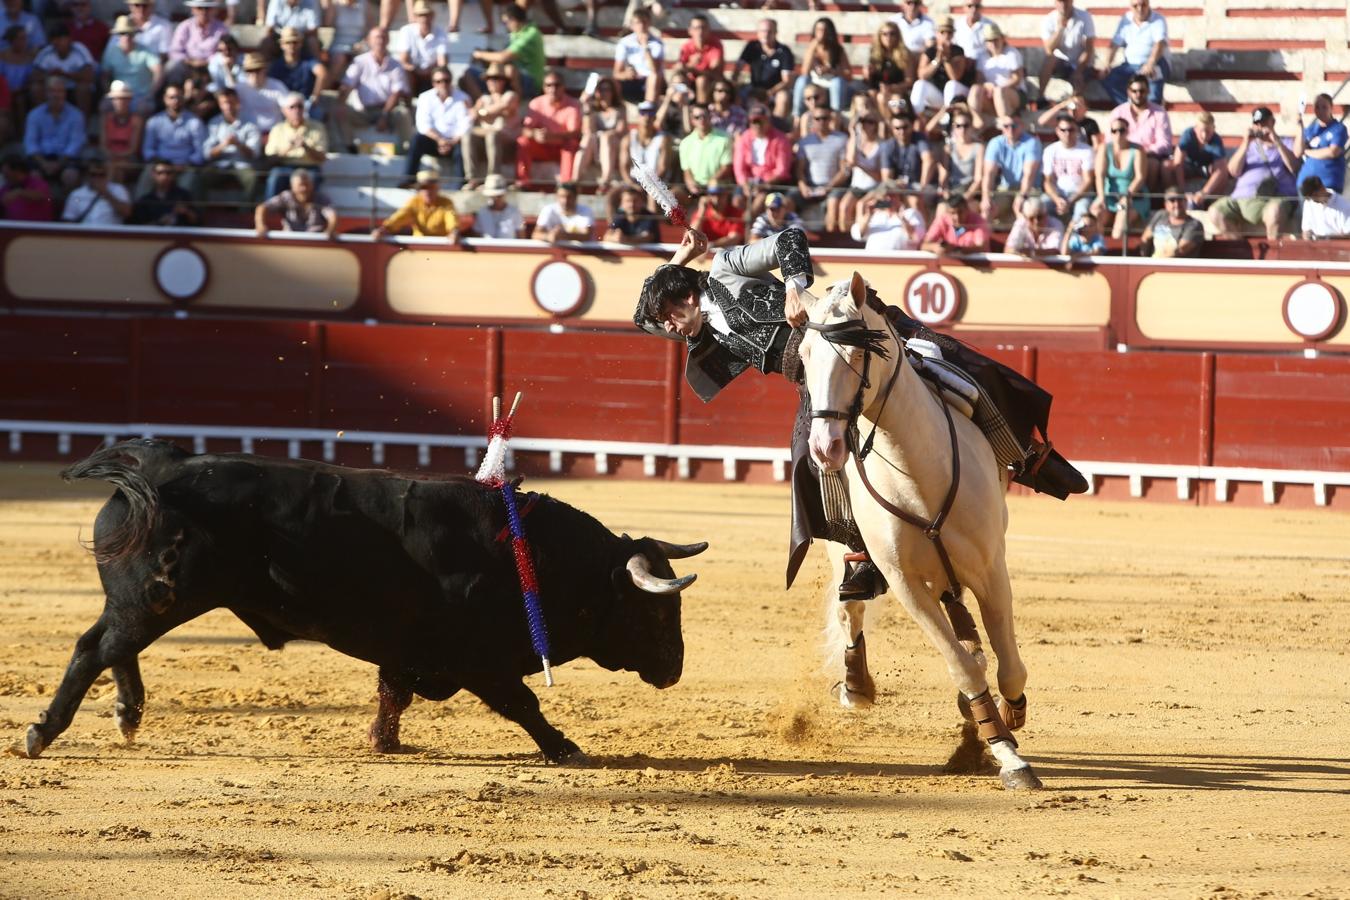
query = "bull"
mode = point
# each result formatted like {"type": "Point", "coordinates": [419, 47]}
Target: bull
{"type": "Point", "coordinates": [407, 573]}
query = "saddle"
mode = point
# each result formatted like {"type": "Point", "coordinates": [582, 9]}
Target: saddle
{"type": "Point", "coordinates": [948, 383]}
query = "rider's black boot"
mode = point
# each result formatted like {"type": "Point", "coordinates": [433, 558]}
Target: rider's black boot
{"type": "Point", "coordinates": [862, 581]}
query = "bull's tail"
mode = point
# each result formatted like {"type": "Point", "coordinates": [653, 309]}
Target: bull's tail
{"type": "Point", "coordinates": [131, 466]}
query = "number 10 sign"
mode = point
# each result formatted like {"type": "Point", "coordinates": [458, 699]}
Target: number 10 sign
{"type": "Point", "coordinates": [933, 297]}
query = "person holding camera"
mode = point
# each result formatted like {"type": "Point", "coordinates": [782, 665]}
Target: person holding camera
{"type": "Point", "coordinates": [1321, 146]}
{"type": "Point", "coordinates": [885, 221]}
{"type": "Point", "coordinates": [1264, 165]}
{"type": "Point", "coordinates": [1083, 239]}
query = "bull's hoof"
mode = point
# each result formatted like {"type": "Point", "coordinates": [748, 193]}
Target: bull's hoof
{"type": "Point", "coordinates": [565, 753]}
{"type": "Point", "coordinates": [850, 698]}
{"type": "Point", "coordinates": [382, 744]}
{"type": "Point", "coordinates": [127, 720]}
{"type": "Point", "coordinates": [34, 742]}
{"type": "Point", "coordinates": [576, 759]}
{"type": "Point", "coordinates": [1020, 779]}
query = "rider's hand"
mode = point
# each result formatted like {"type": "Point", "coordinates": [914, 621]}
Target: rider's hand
{"type": "Point", "coordinates": [794, 309]}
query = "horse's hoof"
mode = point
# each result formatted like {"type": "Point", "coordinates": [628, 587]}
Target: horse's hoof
{"type": "Point", "coordinates": [127, 724]}
{"type": "Point", "coordinates": [34, 743]}
{"type": "Point", "coordinates": [1020, 779]}
{"type": "Point", "coordinates": [851, 699]}
{"type": "Point", "coordinates": [576, 760]}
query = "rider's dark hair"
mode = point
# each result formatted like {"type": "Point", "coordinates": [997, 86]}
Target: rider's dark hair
{"type": "Point", "coordinates": [668, 284]}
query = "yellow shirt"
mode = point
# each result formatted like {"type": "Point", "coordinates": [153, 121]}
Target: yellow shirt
{"type": "Point", "coordinates": [436, 219]}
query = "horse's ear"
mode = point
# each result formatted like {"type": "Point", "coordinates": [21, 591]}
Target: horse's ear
{"type": "Point", "coordinates": [857, 289]}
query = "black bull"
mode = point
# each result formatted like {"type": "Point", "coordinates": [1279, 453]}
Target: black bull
{"type": "Point", "coordinates": [404, 573]}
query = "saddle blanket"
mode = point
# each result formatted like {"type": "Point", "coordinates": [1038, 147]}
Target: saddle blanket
{"type": "Point", "coordinates": [961, 393]}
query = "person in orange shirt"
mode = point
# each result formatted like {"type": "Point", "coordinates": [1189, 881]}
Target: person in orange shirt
{"type": "Point", "coordinates": [429, 212]}
{"type": "Point", "coordinates": [551, 130]}
{"type": "Point", "coordinates": [701, 57]}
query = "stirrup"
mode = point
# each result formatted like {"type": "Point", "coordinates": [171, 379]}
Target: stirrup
{"type": "Point", "coordinates": [862, 582]}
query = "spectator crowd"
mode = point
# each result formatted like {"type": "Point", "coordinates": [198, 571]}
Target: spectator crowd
{"type": "Point", "coordinates": [940, 141]}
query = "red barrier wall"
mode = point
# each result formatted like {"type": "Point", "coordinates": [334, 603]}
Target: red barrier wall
{"type": "Point", "coordinates": [1282, 412]}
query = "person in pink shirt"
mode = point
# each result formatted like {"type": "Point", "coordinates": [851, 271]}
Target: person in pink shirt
{"type": "Point", "coordinates": [1150, 128]}
{"type": "Point", "coordinates": [957, 228]}
{"type": "Point", "coordinates": [762, 157]}
{"type": "Point", "coordinates": [24, 196]}
{"type": "Point", "coordinates": [701, 57]}
{"type": "Point", "coordinates": [551, 130]}
{"type": "Point", "coordinates": [195, 40]}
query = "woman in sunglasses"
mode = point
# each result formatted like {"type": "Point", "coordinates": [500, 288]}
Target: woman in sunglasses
{"type": "Point", "coordinates": [1120, 181]}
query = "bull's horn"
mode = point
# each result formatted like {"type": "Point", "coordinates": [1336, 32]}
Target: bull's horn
{"type": "Point", "coordinates": [641, 572]}
{"type": "Point", "coordinates": [680, 551]}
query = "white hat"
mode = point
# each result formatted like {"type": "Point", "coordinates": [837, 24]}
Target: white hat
{"type": "Point", "coordinates": [494, 186]}
{"type": "Point", "coordinates": [120, 89]}
{"type": "Point", "coordinates": [202, 4]}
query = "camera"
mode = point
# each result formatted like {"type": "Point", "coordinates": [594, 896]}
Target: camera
{"type": "Point", "coordinates": [883, 203]}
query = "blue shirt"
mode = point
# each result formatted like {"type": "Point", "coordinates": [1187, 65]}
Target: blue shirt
{"type": "Point", "coordinates": [177, 140]}
{"type": "Point", "coordinates": [299, 78]}
{"type": "Point", "coordinates": [1012, 160]}
{"type": "Point", "coordinates": [1080, 244]}
{"type": "Point", "coordinates": [1318, 137]}
{"type": "Point", "coordinates": [1138, 38]}
{"type": "Point", "coordinates": [1202, 155]}
{"type": "Point", "coordinates": [45, 135]}
{"type": "Point", "coordinates": [37, 38]}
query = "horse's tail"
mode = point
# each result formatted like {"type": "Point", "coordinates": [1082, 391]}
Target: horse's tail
{"type": "Point", "coordinates": [130, 466]}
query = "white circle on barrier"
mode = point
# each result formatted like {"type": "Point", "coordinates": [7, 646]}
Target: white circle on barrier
{"type": "Point", "coordinates": [559, 287]}
{"type": "Point", "coordinates": [933, 297]}
{"type": "Point", "coordinates": [1312, 310]}
{"type": "Point", "coordinates": [181, 273]}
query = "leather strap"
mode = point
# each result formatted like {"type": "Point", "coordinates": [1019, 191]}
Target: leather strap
{"type": "Point", "coordinates": [1013, 713]}
{"type": "Point", "coordinates": [988, 723]}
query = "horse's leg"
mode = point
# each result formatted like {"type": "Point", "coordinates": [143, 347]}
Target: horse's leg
{"type": "Point", "coordinates": [997, 615]}
{"type": "Point", "coordinates": [845, 646]}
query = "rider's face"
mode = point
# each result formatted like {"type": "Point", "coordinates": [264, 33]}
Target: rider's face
{"type": "Point", "coordinates": [683, 317]}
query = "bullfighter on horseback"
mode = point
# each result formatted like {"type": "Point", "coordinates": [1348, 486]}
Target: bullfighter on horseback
{"type": "Point", "coordinates": [739, 316]}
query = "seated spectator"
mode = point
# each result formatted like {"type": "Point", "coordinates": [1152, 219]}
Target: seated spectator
{"type": "Point", "coordinates": [153, 32]}
{"type": "Point", "coordinates": [1069, 170]}
{"type": "Point", "coordinates": [551, 130]}
{"type": "Point", "coordinates": [1036, 232]}
{"type": "Point", "coordinates": [301, 208]}
{"type": "Point", "coordinates": [425, 47]}
{"type": "Point", "coordinates": [294, 143]}
{"type": "Point", "coordinates": [233, 148]}
{"type": "Point", "coordinates": [701, 58]}
{"type": "Point", "coordinates": [1263, 165]}
{"type": "Point", "coordinates": [907, 160]}
{"type": "Point", "coordinates": [1325, 214]}
{"type": "Point", "coordinates": [99, 202]}
{"type": "Point", "coordinates": [886, 221]}
{"type": "Point", "coordinates": [648, 145]}
{"type": "Point", "coordinates": [724, 112]}
{"type": "Point", "coordinates": [1083, 239]}
{"type": "Point", "coordinates": [957, 228]}
{"type": "Point", "coordinates": [260, 96]}
{"type": "Point", "coordinates": [306, 77]}
{"type": "Point", "coordinates": [705, 154]}
{"type": "Point", "coordinates": [496, 126]}
{"type": "Point", "coordinates": [945, 74]}
{"type": "Point", "coordinates": [916, 29]}
{"type": "Point", "coordinates": [825, 65]}
{"type": "Point", "coordinates": [24, 195]}
{"type": "Point", "coordinates": [770, 65]}
{"type": "Point", "coordinates": [525, 51]}
{"type": "Point", "coordinates": [1120, 182]}
{"type": "Point", "coordinates": [301, 17]}
{"type": "Point", "coordinates": [1012, 169]}
{"type": "Point", "coordinates": [890, 65]}
{"type": "Point", "coordinates": [1090, 133]}
{"type": "Point", "coordinates": [1172, 232]}
{"type": "Point", "coordinates": [1150, 128]}
{"type": "Point", "coordinates": [604, 122]}
{"type": "Point", "coordinates": [762, 156]}
{"type": "Point", "coordinates": [1142, 34]}
{"type": "Point", "coordinates": [564, 220]}
{"type": "Point", "coordinates": [1001, 79]}
{"type": "Point", "coordinates": [16, 65]}
{"type": "Point", "coordinates": [54, 137]}
{"type": "Point", "coordinates": [970, 30]}
{"type": "Point", "coordinates": [816, 99]}
{"type": "Point", "coordinates": [672, 116]}
{"type": "Point", "coordinates": [87, 29]}
{"type": "Point", "coordinates": [226, 68]}
{"type": "Point", "coordinates": [138, 70]}
{"type": "Point", "coordinates": [372, 93]}
{"type": "Point", "coordinates": [638, 59]}
{"type": "Point", "coordinates": [1321, 146]}
{"type": "Point", "coordinates": [66, 59]}
{"type": "Point", "coordinates": [351, 21]}
{"type": "Point", "coordinates": [777, 216]}
{"type": "Point", "coordinates": [961, 170]}
{"type": "Point", "coordinates": [630, 223]}
{"type": "Point", "coordinates": [13, 15]}
{"type": "Point", "coordinates": [428, 211]}
{"type": "Point", "coordinates": [443, 121]}
{"type": "Point", "coordinates": [821, 173]}
{"type": "Point", "coordinates": [497, 220]}
{"type": "Point", "coordinates": [720, 219]}
{"type": "Point", "coordinates": [866, 157]}
{"type": "Point", "coordinates": [174, 135]}
{"type": "Point", "coordinates": [119, 137]}
{"type": "Point", "coordinates": [1200, 155]}
{"type": "Point", "coordinates": [195, 40]}
{"type": "Point", "coordinates": [165, 204]}
{"type": "Point", "coordinates": [1067, 37]}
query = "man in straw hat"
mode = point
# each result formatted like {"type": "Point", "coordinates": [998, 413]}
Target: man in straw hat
{"type": "Point", "coordinates": [305, 76]}
{"type": "Point", "coordinates": [137, 70]}
{"type": "Point", "coordinates": [428, 211]}
{"type": "Point", "coordinates": [425, 46]}
{"type": "Point", "coordinates": [260, 95]}
{"type": "Point", "coordinates": [194, 40]}
{"type": "Point", "coordinates": [497, 220]}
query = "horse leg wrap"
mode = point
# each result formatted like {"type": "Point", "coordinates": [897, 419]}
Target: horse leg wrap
{"type": "Point", "coordinates": [857, 680]}
{"type": "Point", "coordinates": [963, 623]}
{"type": "Point", "coordinates": [988, 723]}
{"type": "Point", "coordinates": [1013, 712]}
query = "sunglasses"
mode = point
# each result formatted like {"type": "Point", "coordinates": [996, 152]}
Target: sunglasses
{"type": "Point", "coordinates": [1174, 199]}
{"type": "Point", "coordinates": [164, 171]}
{"type": "Point", "coordinates": [1005, 126]}
{"type": "Point", "coordinates": [1120, 131]}
{"type": "Point", "coordinates": [552, 84]}
{"type": "Point", "coordinates": [820, 118]}
{"type": "Point", "coordinates": [960, 124]}
{"type": "Point", "coordinates": [1065, 130]}
{"type": "Point", "coordinates": [721, 90]}
{"type": "Point", "coordinates": [447, 80]}
{"type": "Point", "coordinates": [697, 117]}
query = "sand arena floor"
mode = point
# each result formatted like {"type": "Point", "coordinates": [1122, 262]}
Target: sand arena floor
{"type": "Point", "coordinates": [1188, 667]}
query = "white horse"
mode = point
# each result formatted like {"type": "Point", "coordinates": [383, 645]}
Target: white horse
{"type": "Point", "coordinates": [856, 368]}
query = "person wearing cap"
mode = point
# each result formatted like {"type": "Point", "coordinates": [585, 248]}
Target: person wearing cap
{"type": "Point", "coordinates": [306, 77]}
{"type": "Point", "coordinates": [153, 31]}
{"type": "Point", "coordinates": [970, 30]}
{"type": "Point", "coordinates": [1142, 35]}
{"type": "Point", "coordinates": [917, 30]}
{"type": "Point", "coordinates": [372, 92]}
{"type": "Point", "coordinates": [1150, 128]}
{"type": "Point", "coordinates": [770, 65]}
{"type": "Point", "coordinates": [195, 39]}
{"type": "Point", "coordinates": [233, 147]}
{"type": "Point", "coordinates": [777, 216]}
{"type": "Point", "coordinates": [762, 156]}
{"type": "Point", "coordinates": [496, 125]}
{"type": "Point", "coordinates": [301, 16]}
{"type": "Point", "coordinates": [88, 29]}
{"type": "Point", "coordinates": [1067, 37]}
{"type": "Point", "coordinates": [293, 143]}
{"type": "Point", "coordinates": [1326, 214]}
{"type": "Point", "coordinates": [425, 47]}
{"type": "Point", "coordinates": [886, 221]}
{"type": "Point", "coordinates": [63, 57]}
{"type": "Point", "coordinates": [1172, 231]}
{"type": "Point", "coordinates": [54, 135]}
{"type": "Point", "coordinates": [630, 223]}
{"type": "Point", "coordinates": [551, 130]}
{"type": "Point", "coordinates": [119, 138]}
{"type": "Point", "coordinates": [1012, 169]}
{"type": "Point", "coordinates": [1263, 165]}
{"type": "Point", "coordinates": [138, 70]}
{"type": "Point", "coordinates": [497, 220]}
{"type": "Point", "coordinates": [524, 50]}
{"type": "Point", "coordinates": [260, 95]}
{"type": "Point", "coordinates": [443, 121]}
{"type": "Point", "coordinates": [701, 57]}
{"type": "Point", "coordinates": [302, 208]}
{"type": "Point", "coordinates": [1321, 146]}
{"type": "Point", "coordinates": [1036, 232]}
{"type": "Point", "coordinates": [13, 15]}
{"type": "Point", "coordinates": [1000, 78]}
{"type": "Point", "coordinates": [428, 212]}
{"type": "Point", "coordinates": [945, 73]}
{"type": "Point", "coordinates": [174, 135]}
{"type": "Point", "coordinates": [99, 202]}
{"type": "Point", "coordinates": [1200, 155]}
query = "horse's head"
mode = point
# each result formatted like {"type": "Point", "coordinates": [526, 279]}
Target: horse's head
{"type": "Point", "coordinates": [835, 358]}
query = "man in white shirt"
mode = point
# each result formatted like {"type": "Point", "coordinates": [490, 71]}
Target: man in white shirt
{"type": "Point", "coordinates": [372, 92]}
{"type": "Point", "coordinates": [69, 59]}
{"type": "Point", "coordinates": [888, 223]}
{"type": "Point", "coordinates": [260, 97]}
{"type": "Point", "coordinates": [443, 118]}
{"type": "Point", "coordinates": [497, 220]}
{"type": "Point", "coordinates": [1325, 215]}
{"type": "Point", "coordinates": [1068, 166]}
{"type": "Point", "coordinates": [638, 59]}
{"type": "Point", "coordinates": [1067, 35]}
{"type": "Point", "coordinates": [99, 203]}
{"type": "Point", "coordinates": [425, 46]}
{"type": "Point", "coordinates": [970, 32]}
{"type": "Point", "coordinates": [564, 220]}
{"type": "Point", "coordinates": [916, 29]}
